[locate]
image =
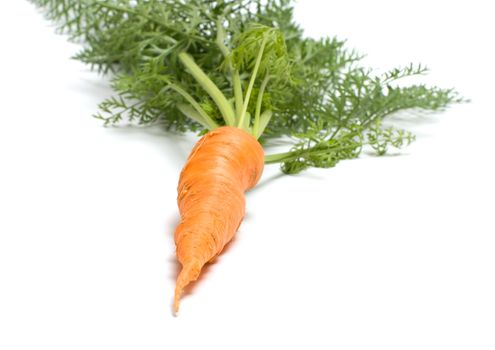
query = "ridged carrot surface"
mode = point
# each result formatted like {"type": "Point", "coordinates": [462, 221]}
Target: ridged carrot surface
{"type": "Point", "coordinates": [224, 164]}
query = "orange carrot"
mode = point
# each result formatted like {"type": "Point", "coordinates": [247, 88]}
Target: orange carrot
{"type": "Point", "coordinates": [225, 163]}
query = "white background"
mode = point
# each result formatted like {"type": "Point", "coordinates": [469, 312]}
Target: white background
{"type": "Point", "coordinates": [377, 253]}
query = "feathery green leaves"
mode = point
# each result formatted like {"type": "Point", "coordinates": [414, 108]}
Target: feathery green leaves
{"type": "Point", "coordinates": [198, 64]}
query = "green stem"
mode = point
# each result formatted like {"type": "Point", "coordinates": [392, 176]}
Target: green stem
{"type": "Point", "coordinates": [209, 86]}
{"type": "Point", "coordinates": [264, 120]}
{"type": "Point", "coordinates": [251, 83]}
{"type": "Point", "coordinates": [236, 79]}
{"type": "Point", "coordinates": [207, 121]}
{"type": "Point", "coordinates": [278, 157]}
{"type": "Point", "coordinates": [291, 155]}
{"type": "Point", "coordinates": [257, 113]}
{"type": "Point", "coordinates": [220, 40]}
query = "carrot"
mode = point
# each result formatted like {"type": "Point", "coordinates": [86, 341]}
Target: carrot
{"type": "Point", "coordinates": [312, 94]}
{"type": "Point", "coordinates": [224, 163]}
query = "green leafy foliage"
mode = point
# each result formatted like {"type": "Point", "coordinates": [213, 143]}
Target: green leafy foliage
{"type": "Point", "coordinates": [380, 139]}
{"type": "Point", "coordinates": [247, 45]}
{"type": "Point", "coordinates": [257, 63]}
{"type": "Point", "coordinates": [316, 148]}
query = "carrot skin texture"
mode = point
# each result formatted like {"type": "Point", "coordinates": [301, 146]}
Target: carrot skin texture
{"type": "Point", "coordinates": [224, 163]}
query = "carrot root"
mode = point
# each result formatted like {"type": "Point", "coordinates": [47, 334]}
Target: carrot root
{"type": "Point", "coordinates": [224, 164]}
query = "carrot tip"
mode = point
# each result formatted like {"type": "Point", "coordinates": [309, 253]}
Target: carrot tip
{"type": "Point", "coordinates": [178, 293]}
{"type": "Point", "coordinates": [189, 273]}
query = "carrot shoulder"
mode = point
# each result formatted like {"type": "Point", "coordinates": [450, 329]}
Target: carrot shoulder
{"type": "Point", "coordinates": [224, 163]}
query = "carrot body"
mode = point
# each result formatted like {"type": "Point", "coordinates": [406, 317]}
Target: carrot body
{"type": "Point", "coordinates": [224, 163]}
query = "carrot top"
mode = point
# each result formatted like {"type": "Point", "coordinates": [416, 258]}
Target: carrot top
{"type": "Point", "coordinates": [196, 65]}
